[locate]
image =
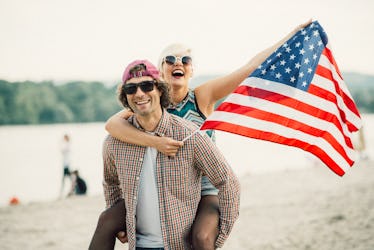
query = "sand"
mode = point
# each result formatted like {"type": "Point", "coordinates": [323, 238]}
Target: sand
{"type": "Point", "coordinates": [296, 209]}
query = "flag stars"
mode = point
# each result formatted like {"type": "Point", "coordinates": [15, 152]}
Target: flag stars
{"type": "Point", "coordinates": [294, 62]}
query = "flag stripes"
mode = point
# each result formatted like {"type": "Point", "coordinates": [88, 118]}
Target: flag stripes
{"type": "Point", "coordinates": [318, 117]}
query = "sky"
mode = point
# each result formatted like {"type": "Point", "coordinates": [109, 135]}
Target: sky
{"type": "Point", "coordinates": [93, 40]}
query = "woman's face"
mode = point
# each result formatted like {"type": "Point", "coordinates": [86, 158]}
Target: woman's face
{"type": "Point", "coordinates": [177, 70]}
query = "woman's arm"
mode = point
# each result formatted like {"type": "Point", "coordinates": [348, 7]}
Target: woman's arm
{"type": "Point", "coordinates": [213, 90]}
{"type": "Point", "coordinates": [118, 127]}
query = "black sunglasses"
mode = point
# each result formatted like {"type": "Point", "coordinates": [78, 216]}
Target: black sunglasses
{"type": "Point", "coordinates": [131, 88]}
{"type": "Point", "coordinates": [171, 60]}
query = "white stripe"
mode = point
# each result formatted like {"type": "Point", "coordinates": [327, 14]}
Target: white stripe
{"type": "Point", "coordinates": [286, 90]}
{"type": "Point", "coordinates": [281, 130]}
{"type": "Point", "coordinates": [324, 61]}
{"type": "Point", "coordinates": [323, 83]}
{"type": "Point", "coordinates": [297, 94]}
{"type": "Point", "coordinates": [271, 107]}
{"type": "Point", "coordinates": [351, 117]}
{"type": "Point", "coordinates": [327, 85]}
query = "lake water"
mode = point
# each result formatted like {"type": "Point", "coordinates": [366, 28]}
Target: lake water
{"type": "Point", "coordinates": [31, 161]}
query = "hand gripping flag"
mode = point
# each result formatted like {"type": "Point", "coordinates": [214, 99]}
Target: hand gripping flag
{"type": "Point", "coordinates": [296, 97]}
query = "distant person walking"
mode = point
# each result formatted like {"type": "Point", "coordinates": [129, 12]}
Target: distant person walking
{"type": "Point", "coordinates": [66, 160]}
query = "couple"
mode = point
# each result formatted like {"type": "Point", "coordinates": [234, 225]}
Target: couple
{"type": "Point", "coordinates": [154, 198]}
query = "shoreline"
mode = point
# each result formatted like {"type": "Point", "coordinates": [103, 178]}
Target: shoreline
{"type": "Point", "coordinates": [294, 209]}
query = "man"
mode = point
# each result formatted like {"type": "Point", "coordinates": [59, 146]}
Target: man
{"type": "Point", "coordinates": [161, 194]}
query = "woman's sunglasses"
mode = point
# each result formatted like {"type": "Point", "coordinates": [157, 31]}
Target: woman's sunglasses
{"type": "Point", "coordinates": [131, 88]}
{"type": "Point", "coordinates": [171, 60]}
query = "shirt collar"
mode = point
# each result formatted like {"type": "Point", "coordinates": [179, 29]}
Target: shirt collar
{"type": "Point", "coordinates": [162, 128]}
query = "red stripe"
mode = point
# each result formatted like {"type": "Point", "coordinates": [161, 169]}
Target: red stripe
{"type": "Point", "coordinates": [322, 93]}
{"type": "Point", "coordinates": [268, 136]}
{"type": "Point", "coordinates": [327, 95]}
{"type": "Point", "coordinates": [294, 104]}
{"type": "Point", "coordinates": [287, 122]}
{"type": "Point", "coordinates": [349, 103]}
{"type": "Point", "coordinates": [328, 53]}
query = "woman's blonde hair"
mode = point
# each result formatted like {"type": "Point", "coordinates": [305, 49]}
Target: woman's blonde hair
{"type": "Point", "coordinates": [173, 49]}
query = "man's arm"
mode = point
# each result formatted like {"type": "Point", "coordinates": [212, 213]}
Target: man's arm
{"type": "Point", "coordinates": [211, 161]}
{"type": "Point", "coordinates": [112, 191]}
{"type": "Point", "coordinates": [111, 184]}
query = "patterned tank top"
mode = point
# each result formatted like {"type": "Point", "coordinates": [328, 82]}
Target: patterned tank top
{"type": "Point", "coordinates": [189, 110]}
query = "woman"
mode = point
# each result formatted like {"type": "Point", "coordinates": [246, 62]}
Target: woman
{"type": "Point", "coordinates": [176, 68]}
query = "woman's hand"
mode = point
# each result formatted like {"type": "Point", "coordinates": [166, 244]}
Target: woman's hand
{"type": "Point", "coordinates": [125, 114]}
{"type": "Point", "coordinates": [167, 146]}
{"type": "Point", "coordinates": [303, 25]}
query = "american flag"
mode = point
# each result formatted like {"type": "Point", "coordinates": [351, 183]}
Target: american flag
{"type": "Point", "coordinates": [296, 97]}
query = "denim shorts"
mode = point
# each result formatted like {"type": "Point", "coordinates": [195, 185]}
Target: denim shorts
{"type": "Point", "coordinates": [207, 187]}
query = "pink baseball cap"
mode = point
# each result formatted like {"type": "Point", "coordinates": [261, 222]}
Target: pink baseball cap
{"type": "Point", "coordinates": [150, 70]}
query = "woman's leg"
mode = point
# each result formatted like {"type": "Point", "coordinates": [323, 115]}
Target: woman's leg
{"type": "Point", "coordinates": [206, 225]}
{"type": "Point", "coordinates": [205, 228]}
{"type": "Point", "coordinates": [111, 221]}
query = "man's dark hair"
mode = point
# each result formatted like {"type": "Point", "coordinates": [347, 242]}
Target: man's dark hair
{"type": "Point", "coordinates": [160, 85]}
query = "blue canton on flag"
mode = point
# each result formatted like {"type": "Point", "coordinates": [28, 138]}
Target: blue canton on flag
{"type": "Point", "coordinates": [294, 63]}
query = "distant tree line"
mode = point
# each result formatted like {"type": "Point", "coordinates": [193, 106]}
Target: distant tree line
{"type": "Point", "coordinates": [45, 102]}
{"type": "Point", "coordinates": [361, 87]}
{"type": "Point", "coordinates": [364, 99]}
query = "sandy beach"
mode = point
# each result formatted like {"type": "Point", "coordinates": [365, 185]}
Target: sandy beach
{"type": "Point", "coordinates": [310, 208]}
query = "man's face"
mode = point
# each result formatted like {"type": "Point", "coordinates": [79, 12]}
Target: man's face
{"type": "Point", "coordinates": [144, 102]}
